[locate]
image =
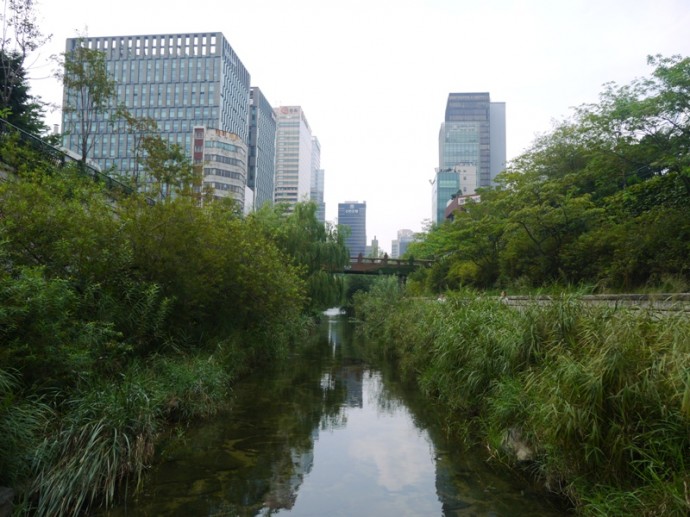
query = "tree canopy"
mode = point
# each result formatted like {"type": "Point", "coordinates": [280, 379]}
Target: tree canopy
{"type": "Point", "coordinates": [603, 199]}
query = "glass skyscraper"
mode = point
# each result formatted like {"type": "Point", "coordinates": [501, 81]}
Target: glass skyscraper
{"type": "Point", "coordinates": [473, 135]}
{"type": "Point", "coordinates": [294, 156]}
{"type": "Point", "coordinates": [316, 191]}
{"type": "Point", "coordinates": [262, 148]}
{"type": "Point", "coordinates": [181, 81]}
{"type": "Point", "coordinates": [353, 214]}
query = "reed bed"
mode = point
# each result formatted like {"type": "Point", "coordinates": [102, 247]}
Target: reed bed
{"type": "Point", "coordinates": [594, 401]}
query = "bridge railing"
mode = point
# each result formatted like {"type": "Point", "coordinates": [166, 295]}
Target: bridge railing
{"type": "Point", "coordinates": [390, 262]}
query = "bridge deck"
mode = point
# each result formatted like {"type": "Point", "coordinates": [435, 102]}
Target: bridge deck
{"type": "Point", "coordinates": [383, 266]}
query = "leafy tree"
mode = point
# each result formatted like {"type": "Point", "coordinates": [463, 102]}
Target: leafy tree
{"type": "Point", "coordinates": [18, 107]}
{"type": "Point", "coordinates": [647, 123]}
{"type": "Point", "coordinates": [221, 273]}
{"type": "Point", "coordinates": [90, 92]}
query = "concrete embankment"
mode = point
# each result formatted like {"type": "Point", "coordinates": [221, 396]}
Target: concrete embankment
{"type": "Point", "coordinates": [662, 302]}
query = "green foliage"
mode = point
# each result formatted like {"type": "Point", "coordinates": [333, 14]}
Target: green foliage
{"type": "Point", "coordinates": [316, 249]}
{"type": "Point", "coordinates": [129, 316]}
{"type": "Point", "coordinates": [169, 168]}
{"type": "Point", "coordinates": [107, 430]}
{"type": "Point", "coordinates": [17, 106]}
{"type": "Point", "coordinates": [21, 421]}
{"type": "Point", "coordinates": [36, 325]}
{"type": "Point", "coordinates": [138, 129]}
{"type": "Point", "coordinates": [20, 36]}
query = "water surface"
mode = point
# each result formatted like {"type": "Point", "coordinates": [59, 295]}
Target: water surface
{"type": "Point", "coordinates": [328, 435]}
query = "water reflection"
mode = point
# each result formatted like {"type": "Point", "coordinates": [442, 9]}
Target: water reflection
{"type": "Point", "coordinates": [324, 435]}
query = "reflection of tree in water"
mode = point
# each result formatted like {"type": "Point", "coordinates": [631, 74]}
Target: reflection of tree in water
{"type": "Point", "coordinates": [253, 459]}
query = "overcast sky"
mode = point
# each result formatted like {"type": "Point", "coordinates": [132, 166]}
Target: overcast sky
{"type": "Point", "coordinates": [373, 76]}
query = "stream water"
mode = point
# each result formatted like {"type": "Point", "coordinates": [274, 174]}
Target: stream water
{"type": "Point", "coordinates": [326, 434]}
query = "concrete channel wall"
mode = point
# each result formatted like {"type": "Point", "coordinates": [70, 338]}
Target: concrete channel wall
{"type": "Point", "coordinates": [663, 302]}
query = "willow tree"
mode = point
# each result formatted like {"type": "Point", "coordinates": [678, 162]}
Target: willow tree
{"type": "Point", "coordinates": [317, 249]}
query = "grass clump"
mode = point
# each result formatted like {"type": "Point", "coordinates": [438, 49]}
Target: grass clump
{"type": "Point", "coordinates": [105, 436]}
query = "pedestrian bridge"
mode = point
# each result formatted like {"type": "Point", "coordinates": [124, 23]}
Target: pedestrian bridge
{"type": "Point", "coordinates": [384, 266]}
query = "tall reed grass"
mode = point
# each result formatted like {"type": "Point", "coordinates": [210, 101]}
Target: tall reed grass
{"type": "Point", "coordinates": [600, 397]}
{"type": "Point", "coordinates": [22, 421]}
{"type": "Point", "coordinates": [105, 434]}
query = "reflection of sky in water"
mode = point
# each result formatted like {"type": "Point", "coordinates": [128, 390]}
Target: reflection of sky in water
{"type": "Point", "coordinates": [379, 462]}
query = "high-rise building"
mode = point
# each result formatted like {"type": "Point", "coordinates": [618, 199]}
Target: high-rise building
{"type": "Point", "coordinates": [472, 135]}
{"type": "Point", "coordinates": [316, 191]}
{"type": "Point", "coordinates": [353, 214]}
{"type": "Point", "coordinates": [450, 183]}
{"type": "Point", "coordinates": [399, 245]}
{"type": "Point", "coordinates": [262, 148]}
{"type": "Point", "coordinates": [223, 156]}
{"type": "Point", "coordinates": [317, 194]}
{"type": "Point", "coordinates": [294, 157]}
{"type": "Point", "coordinates": [182, 82]}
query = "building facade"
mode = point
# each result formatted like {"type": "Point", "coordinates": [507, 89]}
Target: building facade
{"type": "Point", "coordinates": [223, 158]}
{"type": "Point", "coordinates": [294, 157]}
{"type": "Point", "coordinates": [472, 148]}
{"type": "Point", "coordinates": [261, 148]}
{"type": "Point", "coordinates": [447, 184]}
{"type": "Point", "coordinates": [474, 133]}
{"type": "Point", "coordinates": [316, 191]}
{"type": "Point", "coordinates": [353, 214]}
{"type": "Point", "coordinates": [180, 81]}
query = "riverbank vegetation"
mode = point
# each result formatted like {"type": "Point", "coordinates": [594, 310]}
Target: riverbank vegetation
{"type": "Point", "coordinates": [591, 400]}
{"type": "Point", "coordinates": [119, 317]}
{"type": "Point", "coordinates": [601, 202]}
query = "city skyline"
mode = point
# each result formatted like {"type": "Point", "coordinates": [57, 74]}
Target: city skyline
{"type": "Point", "coordinates": [376, 100]}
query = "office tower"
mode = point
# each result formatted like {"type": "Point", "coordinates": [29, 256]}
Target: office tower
{"type": "Point", "coordinates": [405, 237]}
{"type": "Point", "coordinates": [460, 180]}
{"type": "Point", "coordinates": [293, 156]}
{"type": "Point", "coordinates": [182, 82]}
{"type": "Point", "coordinates": [223, 156]}
{"type": "Point", "coordinates": [316, 190]}
{"type": "Point", "coordinates": [473, 134]}
{"type": "Point", "coordinates": [317, 194]}
{"type": "Point", "coordinates": [262, 148]}
{"type": "Point", "coordinates": [353, 214]}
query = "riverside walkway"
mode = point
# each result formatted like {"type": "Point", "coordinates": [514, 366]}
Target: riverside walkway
{"type": "Point", "coordinates": [662, 302]}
